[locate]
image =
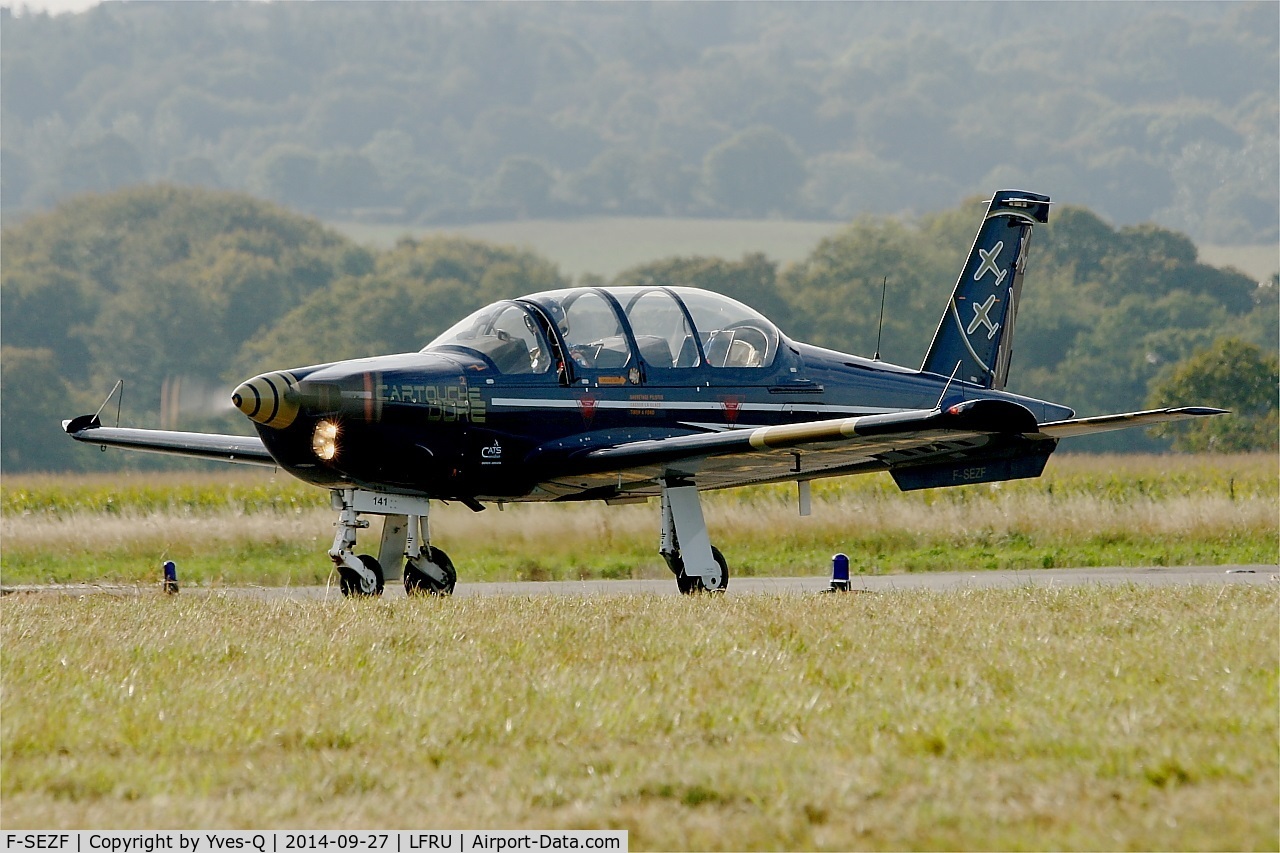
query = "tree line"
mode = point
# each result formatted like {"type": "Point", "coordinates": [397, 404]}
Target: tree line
{"type": "Point", "coordinates": [456, 112]}
{"type": "Point", "coordinates": [170, 287]}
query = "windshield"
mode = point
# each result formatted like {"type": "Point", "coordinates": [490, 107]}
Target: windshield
{"type": "Point", "coordinates": [505, 334]}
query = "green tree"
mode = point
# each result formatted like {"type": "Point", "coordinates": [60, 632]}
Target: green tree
{"type": "Point", "coordinates": [835, 292]}
{"type": "Point", "coordinates": [1114, 359]}
{"type": "Point", "coordinates": [608, 182]}
{"type": "Point", "coordinates": [755, 172]}
{"type": "Point", "coordinates": [1262, 325]}
{"type": "Point", "coordinates": [152, 282]}
{"type": "Point", "coordinates": [1106, 310]}
{"type": "Point", "coordinates": [288, 174]}
{"type": "Point", "coordinates": [906, 130]}
{"type": "Point", "coordinates": [33, 399]}
{"type": "Point", "coordinates": [752, 280]}
{"type": "Point", "coordinates": [522, 184]}
{"type": "Point", "coordinates": [347, 180]}
{"type": "Point", "coordinates": [1230, 374]}
{"type": "Point", "coordinates": [107, 162]}
{"type": "Point", "coordinates": [1141, 110]}
{"type": "Point", "coordinates": [196, 172]}
{"type": "Point", "coordinates": [15, 178]}
{"type": "Point", "coordinates": [350, 117]}
{"type": "Point", "coordinates": [664, 183]}
{"type": "Point", "coordinates": [417, 290]}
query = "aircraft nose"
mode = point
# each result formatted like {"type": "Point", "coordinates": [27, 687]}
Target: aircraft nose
{"type": "Point", "coordinates": [270, 399]}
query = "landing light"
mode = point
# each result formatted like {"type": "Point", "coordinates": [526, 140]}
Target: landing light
{"type": "Point", "coordinates": [324, 441]}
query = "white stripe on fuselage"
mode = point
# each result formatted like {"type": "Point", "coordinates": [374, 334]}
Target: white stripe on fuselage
{"type": "Point", "coordinates": [677, 406]}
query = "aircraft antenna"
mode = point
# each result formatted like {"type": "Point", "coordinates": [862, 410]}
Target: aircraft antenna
{"type": "Point", "coordinates": [884, 287]}
{"type": "Point", "coordinates": [119, 386]}
{"type": "Point", "coordinates": [947, 387]}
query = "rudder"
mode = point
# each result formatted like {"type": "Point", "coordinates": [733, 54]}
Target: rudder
{"type": "Point", "coordinates": [976, 331]}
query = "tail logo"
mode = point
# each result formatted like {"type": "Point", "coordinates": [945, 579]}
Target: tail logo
{"type": "Point", "coordinates": [974, 340]}
{"type": "Point", "coordinates": [982, 317]}
{"type": "Point", "coordinates": [988, 265]}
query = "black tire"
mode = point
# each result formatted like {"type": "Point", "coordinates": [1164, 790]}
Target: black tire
{"type": "Point", "coordinates": [349, 581]}
{"type": "Point", "coordinates": [689, 585]}
{"type": "Point", "coordinates": [418, 582]}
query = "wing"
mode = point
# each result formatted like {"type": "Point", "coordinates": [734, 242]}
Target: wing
{"type": "Point", "coordinates": [972, 442]}
{"type": "Point", "coordinates": [247, 450]}
{"type": "Point", "coordinates": [1107, 423]}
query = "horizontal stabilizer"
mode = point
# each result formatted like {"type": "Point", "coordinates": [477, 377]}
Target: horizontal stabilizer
{"type": "Point", "coordinates": [246, 450]}
{"type": "Point", "coordinates": [1024, 460]}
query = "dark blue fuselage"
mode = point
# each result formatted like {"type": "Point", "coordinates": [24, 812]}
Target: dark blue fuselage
{"type": "Point", "coordinates": [473, 416]}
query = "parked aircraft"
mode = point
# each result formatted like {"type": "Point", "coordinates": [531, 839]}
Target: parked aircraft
{"type": "Point", "coordinates": [621, 394]}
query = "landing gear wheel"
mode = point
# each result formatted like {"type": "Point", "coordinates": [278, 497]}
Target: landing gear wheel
{"type": "Point", "coordinates": [353, 585]}
{"type": "Point", "coordinates": [688, 585]}
{"type": "Point", "coordinates": [418, 582]}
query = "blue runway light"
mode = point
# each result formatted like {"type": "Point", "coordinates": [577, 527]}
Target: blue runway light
{"type": "Point", "coordinates": [840, 572]}
{"type": "Point", "coordinates": [170, 577]}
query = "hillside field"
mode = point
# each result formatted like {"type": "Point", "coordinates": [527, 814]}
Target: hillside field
{"type": "Point", "coordinates": [606, 246]}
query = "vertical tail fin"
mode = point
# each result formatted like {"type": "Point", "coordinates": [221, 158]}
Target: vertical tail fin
{"type": "Point", "coordinates": [976, 332]}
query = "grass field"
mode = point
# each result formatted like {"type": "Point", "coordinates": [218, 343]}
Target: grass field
{"type": "Point", "coordinates": [1082, 718]}
{"type": "Point", "coordinates": [608, 245]}
{"type": "Point", "coordinates": [255, 527]}
{"type": "Point", "coordinates": [1259, 261]}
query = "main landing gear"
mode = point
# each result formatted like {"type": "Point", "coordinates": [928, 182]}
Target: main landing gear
{"type": "Point", "coordinates": [697, 564]}
{"type": "Point", "coordinates": [427, 569]}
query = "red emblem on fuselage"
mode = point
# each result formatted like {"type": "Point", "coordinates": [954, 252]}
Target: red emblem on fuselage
{"type": "Point", "coordinates": [587, 405]}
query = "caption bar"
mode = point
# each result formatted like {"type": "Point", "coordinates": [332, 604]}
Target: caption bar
{"type": "Point", "coordinates": [281, 841]}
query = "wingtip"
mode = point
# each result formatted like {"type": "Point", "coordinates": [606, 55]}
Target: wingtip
{"type": "Point", "coordinates": [80, 424]}
{"type": "Point", "coordinates": [1199, 411]}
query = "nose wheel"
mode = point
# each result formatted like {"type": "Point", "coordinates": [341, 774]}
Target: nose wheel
{"type": "Point", "coordinates": [358, 575]}
{"type": "Point", "coordinates": [361, 584]}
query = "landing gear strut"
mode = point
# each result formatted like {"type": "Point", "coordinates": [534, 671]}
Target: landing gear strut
{"type": "Point", "coordinates": [427, 569]}
{"type": "Point", "coordinates": [697, 565]}
{"type": "Point", "coordinates": [357, 575]}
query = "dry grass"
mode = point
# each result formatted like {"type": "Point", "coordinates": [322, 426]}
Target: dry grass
{"type": "Point", "coordinates": [537, 527]}
{"type": "Point", "coordinates": [246, 528]}
{"type": "Point", "coordinates": [1082, 718]}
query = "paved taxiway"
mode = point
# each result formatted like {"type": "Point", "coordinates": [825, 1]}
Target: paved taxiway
{"type": "Point", "coordinates": [932, 581]}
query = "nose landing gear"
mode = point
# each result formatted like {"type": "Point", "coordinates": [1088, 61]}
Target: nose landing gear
{"type": "Point", "coordinates": [362, 583]}
{"type": "Point", "coordinates": [427, 570]}
{"type": "Point", "coordinates": [357, 575]}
